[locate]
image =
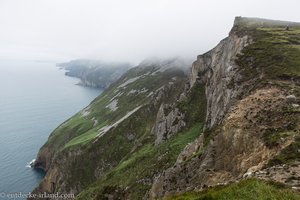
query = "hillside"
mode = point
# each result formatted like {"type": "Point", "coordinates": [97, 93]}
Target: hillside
{"type": "Point", "coordinates": [94, 73]}
{"type": "Point", "coordinates": [161, 133]}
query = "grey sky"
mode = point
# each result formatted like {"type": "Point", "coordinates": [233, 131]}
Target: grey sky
{"type": "Point", "coordinates": [124, 30]}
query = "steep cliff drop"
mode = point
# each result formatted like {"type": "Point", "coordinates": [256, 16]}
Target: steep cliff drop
{"type": "Point", "coordinates": [159, 133]}
{"type": "Point", "coordinates": [251, 122]}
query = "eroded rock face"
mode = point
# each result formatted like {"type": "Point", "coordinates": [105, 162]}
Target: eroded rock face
{"type": "Point", "coordinates": [236, 148]}
{"type": "Point", "coordinates": [199, 166]}
{"type": "Point", "coordinates": [54, 181]}
{"type": "Point", "coordinates": [168, 122]}
{"type": "Point", "coordinates": [218, 71]}
{"type": "Point", "coordinates": [285, 174]}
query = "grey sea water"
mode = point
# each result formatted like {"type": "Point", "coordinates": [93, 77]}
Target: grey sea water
{"type": "Point", "coordinates": [35, 97]}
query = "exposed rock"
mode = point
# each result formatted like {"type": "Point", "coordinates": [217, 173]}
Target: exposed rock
{"type": "Point", "coordinates": [85, 112]}
{"type": "Point", "coordinates": [217, 69]}
{"type": "Point", "coordinates": [130, 137]}
{"type": "Point", "coordinates": [113, 105]}
{"type": "Point", "coordinates": [237, 149]}
{"type": "Point", "coordinates": [294, 105]}
{"type": "Point", "coordinates": [285, 174]}
{"type": "Point", "coordinates": [291, 98]}
{"type": "Point", "coordinates": [190, 150]}
{"type": "Point", "coordinates": [167, 123]}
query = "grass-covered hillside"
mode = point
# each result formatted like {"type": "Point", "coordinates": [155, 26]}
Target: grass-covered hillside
{"type": "Point", "coordinates": [146, 136]}
{"type": "Point", "coordinates": [245, 190]}
{"type": "Point", "coordinates": [111, 143]}
{"type": "Point", "coordinates": [274, 57]}
{"type": "Point", "coordinates": [275, 51]}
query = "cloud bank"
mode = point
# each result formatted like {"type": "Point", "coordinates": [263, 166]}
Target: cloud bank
{"type": "Point", "coordinates": [124, 30]}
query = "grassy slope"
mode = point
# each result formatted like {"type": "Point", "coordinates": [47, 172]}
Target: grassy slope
{"type": "Point", "coordinates": [142, 164]}
{"type": "Point", "coordinates": [79, 130]}
{"type": "Point", "coordinates": [245, 190]}
{"type": "Point", "coordinates": [79, 133]}
{"type": "Point", "coordinates": [275, 54]}
{"type": "Point", "coordinates": [148, 160]}
{"type": "Point", "coordinates": [125, 161]}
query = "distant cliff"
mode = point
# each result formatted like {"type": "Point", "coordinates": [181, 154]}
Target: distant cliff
{"type": "Point", "coordinates": [94, 73]}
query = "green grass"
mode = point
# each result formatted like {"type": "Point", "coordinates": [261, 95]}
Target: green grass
{"type": "Point", "coordinates": [288, 155]}
{"type": "Point", "coordinates": [85, 137]}
{"type": "Point", "coordinates": [82, 139]}
{"type": "Point", "coordinates": [70, 129]}
{"type": "Point", "coordinates": [274, 53]}
{"type": "Point", "coordinates": [79, 130]}
{"type": "Point", "coordinates": [142, 164]}
{"type": "Point", "coordinates": [125, 162]}
{"type": "Point", "coordinates": [245, 190]}
{"type": "Point", "coordinates": [194, 107]}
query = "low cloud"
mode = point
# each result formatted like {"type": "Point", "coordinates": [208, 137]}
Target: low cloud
{"type": "Point", "coordinates": [118, 30]}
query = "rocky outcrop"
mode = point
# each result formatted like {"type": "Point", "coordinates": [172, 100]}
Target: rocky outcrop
{"type": "Point", "coordinates": [284, 174]}
{"type": "Point", "coordinates": [217, 69]}
{"type": "Point", "coordinates": [236, 147]}
{"type": "Point", "coordinates": [243, 125]}
{"type": "Point", "coordinates": [56, 167]}
{"type": "Point", "coordinates": [168, 122]}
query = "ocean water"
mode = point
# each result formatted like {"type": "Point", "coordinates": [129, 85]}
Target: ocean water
{"type": "Point", "coordinates": [35, 97]}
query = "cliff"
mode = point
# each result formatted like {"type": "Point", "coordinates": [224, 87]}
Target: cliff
{"type": "Point", "coordinates": [94, 73]}
{"type": "Point", "coordinates": [118, 126]}
{"type": "Point", "coordinates": [159, 132]}
{"type": "Point", "coordinates": [251, 124]}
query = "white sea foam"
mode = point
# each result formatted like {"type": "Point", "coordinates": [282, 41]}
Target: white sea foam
{"type": "Point", "coordinates": [29, 164]}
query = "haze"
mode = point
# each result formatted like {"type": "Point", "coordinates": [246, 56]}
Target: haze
{"type": "Point", "coordinates": [124, 30]}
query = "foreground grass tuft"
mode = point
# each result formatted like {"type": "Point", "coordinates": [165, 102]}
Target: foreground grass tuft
{"type": "Point", "coordinates": [245, 190]}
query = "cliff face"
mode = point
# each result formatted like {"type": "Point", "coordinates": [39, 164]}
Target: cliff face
{"type": "Point", "coordinates": [247, 128]}
{"type": "Point", "coordinates": [93, 73]}
{"type": "Point", "coordinates": [218, 70]}
{"type": "Point", "coordinates": [156, 132]}
{"type": "Point", "coordinates": [167, 124]}
{"type": "Point", "coordinates": [135, 112]}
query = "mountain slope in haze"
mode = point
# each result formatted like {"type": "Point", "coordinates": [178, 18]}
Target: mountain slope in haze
{"type": "Point", "coordinates": [116, 125]}
{"type": "Point", "coordinates": [94, 73]}
{"type": "Point", "coordinates": [159, 133]}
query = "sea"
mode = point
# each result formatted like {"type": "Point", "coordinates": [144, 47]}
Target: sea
{"type": "Point", "coordinates": [35, 98]}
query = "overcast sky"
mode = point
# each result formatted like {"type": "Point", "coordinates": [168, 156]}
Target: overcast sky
{"type": "Point", "coordinates": [124, 30]}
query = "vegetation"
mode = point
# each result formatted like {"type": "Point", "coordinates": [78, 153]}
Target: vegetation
{"type": "Point", "coordinates": [142, 165]}
{"type": "Point", "coordinates": [194, 106]}
{"type": "Point", "coordinates": [274, 53]}
{"type": "Point", "coordinates": [273, 58]}
{"type": "Point", "coordinates": [245, 190]}
{"type": "Point", "coordinates": [126, 160]}
{"type": "Point", "coordinates": [80, 130]}
{"type": "Point", "coordinates": [288, 155]}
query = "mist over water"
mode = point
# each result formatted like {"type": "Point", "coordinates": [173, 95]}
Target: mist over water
{"type": "Point", "coordinates": [35, 97]}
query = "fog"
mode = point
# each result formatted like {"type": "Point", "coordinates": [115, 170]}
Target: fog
{"type": "Point", "coordinates": [124, 30]}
